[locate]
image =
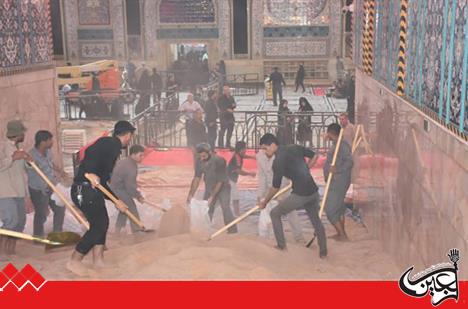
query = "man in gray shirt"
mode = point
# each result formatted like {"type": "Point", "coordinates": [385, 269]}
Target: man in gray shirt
{"type": "Point", "coordinates": [13, 185]}
{"type": "Point", "coordinates": [38, 188]}
{"type": "Point", "coordinates": [217, 189]}
{"type": "Point", "coordinates": [335, 205]}
{"type": "Point", "coordinates": [124, 185]}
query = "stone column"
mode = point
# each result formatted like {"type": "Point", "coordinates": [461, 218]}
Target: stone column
{"type": "Point", "coordinates": [71, 30]}
{"type": "Point", "coordinates": [150, 21]}
{"type": "Point", "coordinates": [118, 23]}
{"type": "Point", "coordinates": [335, 27]}
{"type": "Point", "coordinates": [224, 25]}
{"type": "Point", "coordinates": [257, 29]}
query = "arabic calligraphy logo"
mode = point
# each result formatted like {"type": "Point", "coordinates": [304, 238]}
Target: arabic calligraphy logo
{"type": "Point", "coordinates": [10, 275]}
{"type": "Point", "coordinates": [439, 280]}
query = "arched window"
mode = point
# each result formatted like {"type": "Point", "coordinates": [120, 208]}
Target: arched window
{"type": "Point", "coordinates": [186, 11]}
{"type": "Point", "coordinates": [294, 12]}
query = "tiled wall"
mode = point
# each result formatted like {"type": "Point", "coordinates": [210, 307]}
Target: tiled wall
{"type": "Point", "coordinates": [305, 29]}
{"type": "Point", "coordinates": [25, 34]}
{"type": "Point", "coordinates": [435, 57]}
{"type": "Point", "coordinates": [413, 189]}
{"type": "Point", "coordinates": [27, 79]}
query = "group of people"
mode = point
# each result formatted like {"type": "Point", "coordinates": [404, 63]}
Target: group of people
{"type": "Point", "coordinates": [287, 121]}
{"type": "Point", "coordinates": [20, 181]}
{"type": "Point", "coordinates": [276, 164]}
{"type": "Point", "coordinates": [149, 84]}
{"type": "Point", "coordinates": [217, 107]}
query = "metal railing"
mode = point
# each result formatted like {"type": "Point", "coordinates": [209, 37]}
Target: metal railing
{"type": "Point", "coordinates": [166, 129]}
{"type": "Point", "coordinates": [244, 84]}
{"type": "Point", "coordinates": [92, 107]}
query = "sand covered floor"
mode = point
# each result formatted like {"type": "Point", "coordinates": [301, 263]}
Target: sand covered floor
{"type": "Point", "coordinates": [242, 256]}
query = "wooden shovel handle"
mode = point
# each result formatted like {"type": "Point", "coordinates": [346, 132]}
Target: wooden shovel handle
{"type": "Point", "coordinates": [27, 237]}
{"type": "Point", "coordinates": [69, 206]}
{"type": "Point", "coordinates": [248, 213]}
{"type": "Point", "coordinates": [330, 175]}
{"type": "Point", "coordinates": [115, 200]}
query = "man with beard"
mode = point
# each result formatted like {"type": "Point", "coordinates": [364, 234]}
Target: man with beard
{"type": "Point", "coordinates": [217, 189]}
{"type": "Point", "coordinates": [14, 187]}
{"type": "Point", "coordinates": [98, 163]}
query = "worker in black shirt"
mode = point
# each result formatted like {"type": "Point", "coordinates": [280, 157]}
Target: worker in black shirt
{"type": "Point", "coordinates": [277, 82]}
{"type": "Point", "coordinates": [211, 117]}
{"type": "Point", "coordinates": [226, 106]}
{"type": "Point", "coordinates": [212, 168]}
{"type": "Point", "coordinates": [289, 162]}
{"type": "Point", "coordinates": [98, 162]}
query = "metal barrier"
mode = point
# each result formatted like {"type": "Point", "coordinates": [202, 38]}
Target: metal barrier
{"type": "Point", "coordinates": [244, 84]}
{"type": "Point", "coordinates": [166, 128]}
{"type": "Point", "coordinates": [91, 107]}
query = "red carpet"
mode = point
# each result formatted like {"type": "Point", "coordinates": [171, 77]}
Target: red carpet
{"type": "Point", "coordinates": [184, 157]}
{"type": "Point", "coordinates": [318, 91]}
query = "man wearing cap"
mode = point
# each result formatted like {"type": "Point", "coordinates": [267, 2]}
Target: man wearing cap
{"type": "Point", "coordinates": [98, 162]}
{"type": "Point", "coordinates": [13, 185]}
{"type": "Point", "coordinates": [217, 189]}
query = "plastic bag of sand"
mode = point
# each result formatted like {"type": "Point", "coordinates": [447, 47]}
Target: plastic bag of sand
{"type": "Point", "coordinates": [264, 221]}
{"type": "Point", "coordinates": [200, 222]}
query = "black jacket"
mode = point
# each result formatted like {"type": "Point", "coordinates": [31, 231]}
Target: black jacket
{"type": "Point", "coordinates": [224, 104]}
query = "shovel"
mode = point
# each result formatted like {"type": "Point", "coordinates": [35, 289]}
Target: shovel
{"type": "Point", "coordinates": [248, 213]}
{"type": "Point", "coordinates": [29, 237]}
{"type": "Point", "coordinates": [327, 186]}
{"type": "Point", "coordinates": [70, 207]}
{"type": "Point", "coordinates": [67, 238]}
{"type": "Point", "coordinates": [115, 200]}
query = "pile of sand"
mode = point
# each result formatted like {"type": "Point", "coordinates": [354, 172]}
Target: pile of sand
{"type": "Point", "coordinates": [172, 253]}
{"type": "Point", "coordinates": [186, 256]}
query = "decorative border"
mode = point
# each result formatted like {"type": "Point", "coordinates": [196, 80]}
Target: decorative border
{"type": "Point", "coordinates": [188, 25]}
{"type": "Point", "coordinates": [287, 42]}
{"type": "Point", "coordinates": [95, 34]}
{"type": "Point", "coordinates": [187, 33]}
{"type": "Point", "coordinates": [26, 69]}
{"type": "Point", "coordinates": [296, 31]}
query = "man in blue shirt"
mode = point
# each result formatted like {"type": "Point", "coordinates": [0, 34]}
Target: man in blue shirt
{"type": "Point", "coordinates": [38, 188]}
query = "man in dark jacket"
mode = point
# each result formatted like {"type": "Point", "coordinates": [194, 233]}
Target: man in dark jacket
{"type": "Point", "coordinates": [211, 117]}
{"type": "Point", "coordinates": [226, 106]}
{"type": "Point", "coordinates": [97, 164]}
{"type": "Point", "coordinates": [277, 81]}
{"type": "Point", "coordinates": [156, 84]}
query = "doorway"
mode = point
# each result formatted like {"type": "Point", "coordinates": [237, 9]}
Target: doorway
{"type": "Point", "coordinates": [190, 63]}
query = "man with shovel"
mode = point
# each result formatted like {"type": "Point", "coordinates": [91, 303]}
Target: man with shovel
{"type": "Point", "coordinates": [289, 162]}
{"type": "Point", "coordinates": [124, 185]}
{"type": "Point", "coordinates": [217, 189]}
{"type": "Point", "coordinates": [13, 185]}
{"type": "Point", "coordinates": [39, 189]}
{"type": "Point", "coordinates": [335, 206]}
{"type": "Point", "coordinates": [98, 163]}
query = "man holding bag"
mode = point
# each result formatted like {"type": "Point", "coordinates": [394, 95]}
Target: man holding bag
{"type": "Point", "coordinates": [217, 189]}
